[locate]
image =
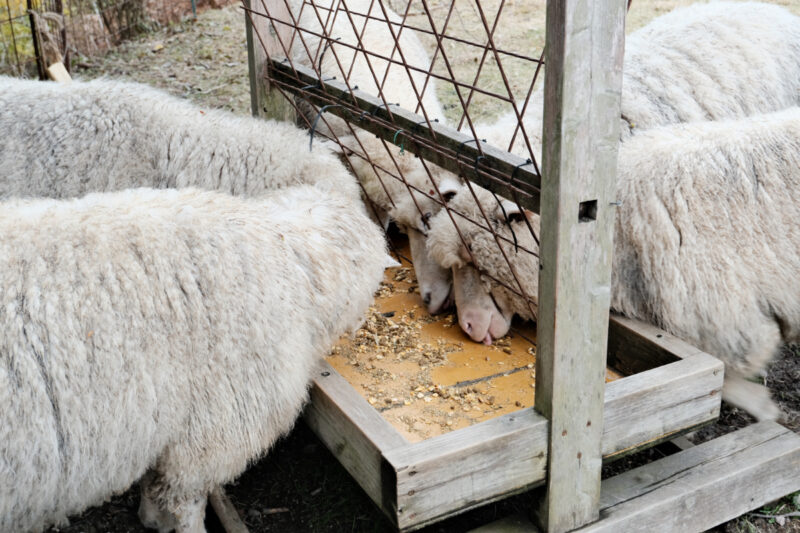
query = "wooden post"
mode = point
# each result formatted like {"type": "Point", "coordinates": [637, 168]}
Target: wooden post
{"type": "Point", "coordinates": [266, 101]}
{"type": "Point", "coordinates": [584, 50]}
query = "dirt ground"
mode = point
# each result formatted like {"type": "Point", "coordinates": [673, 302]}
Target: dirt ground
{"type": "Point", "coordinates": [299, 486]}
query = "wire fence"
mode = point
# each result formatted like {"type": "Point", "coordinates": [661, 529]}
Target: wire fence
{"type": "Point", "coordinates": [384, 78]}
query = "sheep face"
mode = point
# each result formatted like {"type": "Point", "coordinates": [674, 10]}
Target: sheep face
{"type": "Point", "coordinates": [485, 305]}
{"type": "Point", "coordinates": [410, 204]}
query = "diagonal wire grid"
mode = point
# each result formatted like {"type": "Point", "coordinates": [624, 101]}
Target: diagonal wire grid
{"type": "Point", "coordinates": [466, 76]}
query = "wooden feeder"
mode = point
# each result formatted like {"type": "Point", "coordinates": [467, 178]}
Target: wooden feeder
{"type": "Point", "coordinates": [655, 388]}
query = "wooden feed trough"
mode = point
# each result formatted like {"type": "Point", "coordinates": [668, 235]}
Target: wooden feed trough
{"type": "Point", "coordinates": [431, 425]}
{"type": "Point", "coordinates": [429, 436]}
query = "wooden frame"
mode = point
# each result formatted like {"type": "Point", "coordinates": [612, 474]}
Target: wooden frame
{"type": "Point", "coordinates": [416, 484]}
{"type": "Point", "coordinates": [583, 53]}
{"type": "Point", "coordinates": [671, 388]}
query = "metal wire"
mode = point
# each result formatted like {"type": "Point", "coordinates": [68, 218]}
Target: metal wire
{"type": "Point", "coordinates": [309, 45]}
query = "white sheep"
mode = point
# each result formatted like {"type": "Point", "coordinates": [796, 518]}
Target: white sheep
{"type": "Point", "coordinates": [66, 140]}
{"type": "Point", "coordinates": [706, 61]}
{"type": "Point", "coordinates": [373, 161]}
{"type": "Point", "coordinates": [706, 245]}
{"type": "Point", "coordinates": [171, 331]}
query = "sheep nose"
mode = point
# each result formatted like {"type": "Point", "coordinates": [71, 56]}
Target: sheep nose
{"type": "Point", "coordinates": [468, 326]}
{"type": "Point", "coordinates": [426, 298]}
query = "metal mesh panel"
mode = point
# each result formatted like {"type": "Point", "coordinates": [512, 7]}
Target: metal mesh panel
{"type": "Point", "coordinates": [435, 78]}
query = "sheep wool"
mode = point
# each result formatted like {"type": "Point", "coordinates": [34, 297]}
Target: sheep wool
{"type": "Point", "coordinates": [174, 332]}
{"type": "Point", "coordinates": [706, 244]}
{"type": "Point", "coordinates": [706, 61]}
{"type": "Point", "coordinates": [63, 141]}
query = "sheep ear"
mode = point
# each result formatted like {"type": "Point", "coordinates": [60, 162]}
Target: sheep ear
{"type": "Point", "coordinates": [449, 188]}
{"type": "Point", "coordinates": [514, 213]}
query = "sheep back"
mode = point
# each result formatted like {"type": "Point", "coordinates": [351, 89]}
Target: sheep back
{"type": "Point", "coordinates": [63, 141]}
{"type": "Point", "coordinates": [177, 327]}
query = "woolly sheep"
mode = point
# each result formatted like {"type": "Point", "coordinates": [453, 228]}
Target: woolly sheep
{"type": "Point", "coordinates": [711, 61]}
{"type": "Point", "coordinates": [399, 86]}
{"type": "Point", "coordinates": [695, 63]}
{"type": "Point", "coordinates": [706, 245]}
{"type": "Point", "coordinates": [66, 140]}
{"type": "Point", "coordinates": [172, 330]}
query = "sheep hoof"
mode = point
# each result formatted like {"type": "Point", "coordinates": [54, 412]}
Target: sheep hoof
{"type": "Point", "coordinates": [751, 397]}
{"type": "Point", "coordinates": [153, 517]}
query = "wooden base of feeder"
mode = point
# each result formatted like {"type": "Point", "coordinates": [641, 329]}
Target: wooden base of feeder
{"type": "Point", "coordinates": [419, 470]}
{"type": "Point", "coordinates": [695, 489]}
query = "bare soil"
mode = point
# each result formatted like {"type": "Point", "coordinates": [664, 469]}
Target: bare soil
{"type": "Point", "coordinates": [299, 486]}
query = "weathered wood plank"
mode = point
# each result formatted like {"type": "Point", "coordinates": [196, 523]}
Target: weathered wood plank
{"type": "Point", "coordinates": [635, 346]}
{"type": "Point", "coordinates": [266, 39]}
{"type": "Point", "coordinates": [703, 486]}
{"type": "Point", "coordinates": [695, 489]}
{"type": "Point", "coordinates": [469, 467]}
{"type": "Point", "coordinates": [58, 72]}
{"type": "Point", "coordinates": [353, 431]}
{"type": "Point", "coordinates": [446, 475]}
{"type": "Point", "coordinates": [656, 405]}
{"type": "Point", "coordinates": [226, 512]}
{"type": "Point", "coordinates": [583, 53]}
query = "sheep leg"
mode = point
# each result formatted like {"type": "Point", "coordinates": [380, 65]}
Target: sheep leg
{"type": "Point", "coordinates": [151, 514]}
{"type": "Point", "coordinates": [191, 515]}
{"type": "Point", "coordinates": [752, 397]}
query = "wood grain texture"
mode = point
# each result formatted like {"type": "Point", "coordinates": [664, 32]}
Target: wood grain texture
{"type": "Point", "coordinates": [703, 486]}
{"type": "Point", "coordinates": [226, 512]}
{"type": "Point", "coordinates": [659, 404]}
{"type": "Point", "coordinates": [583, 54]}
{"type": "Point", "coordinates": [635, 346]}
{"type": "Point", "coordinates": [472, 466]}
{"type": "Point", "coordinates": [449, 474]}
{"type": "Point", "coordinates": [264, 40]}
{"type": "Point", "coordinates": [695, 489]}
{"type": "Point", "coordinates": [353, 431]}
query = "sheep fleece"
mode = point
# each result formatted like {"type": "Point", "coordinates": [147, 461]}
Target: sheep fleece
{"type": "Point", "coordinates": [706, 242]}
{"type": "Point", "coordinates": [63, 141]}
{"type": "Point", "coordinates": [168, 329]}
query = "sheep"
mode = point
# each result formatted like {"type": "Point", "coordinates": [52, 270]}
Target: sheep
{"type": "Point", "coordinates": [706, 245]}
{"type": "Point", "coordinates": [351, 32]}
{"type": "Point", "coordinates": [705, 83]}
{"type": "Point", "coordinates": [63, 141]}
{"type": "Point", "coordinates": [173, 332]}
{"type": "Point", "coordinates": [712, 61]}
{"type": "Point", "coordinates": [345, 23]}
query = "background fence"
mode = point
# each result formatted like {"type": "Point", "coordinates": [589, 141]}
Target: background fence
{"type": "Point", "coordinates": [37, 33]}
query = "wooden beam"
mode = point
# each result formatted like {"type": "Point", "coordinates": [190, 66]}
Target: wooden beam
{"type": "Point", "coordinates": [703, 486]}
{"type": "Point", "coordinates": [635, 346]}
{"type": "Point", "coordinates": [457, 471]}
{"type": "Point", "coordinates": [226, 512]}
{"type": "Point", "coordinates": [583, 53]}
{"type": "Point", "coordinates": [353, 431]}
{"type": "Point", "coordinates": [696, 489]}
{"type": "Point", "coordinates": [488, 166]}
{"type": "Point", "coordinates": [448, 474]}
{"type": "Point", "coordinates": [264, 40]}
{"type": "Point", "coordinates": [657, 405]}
